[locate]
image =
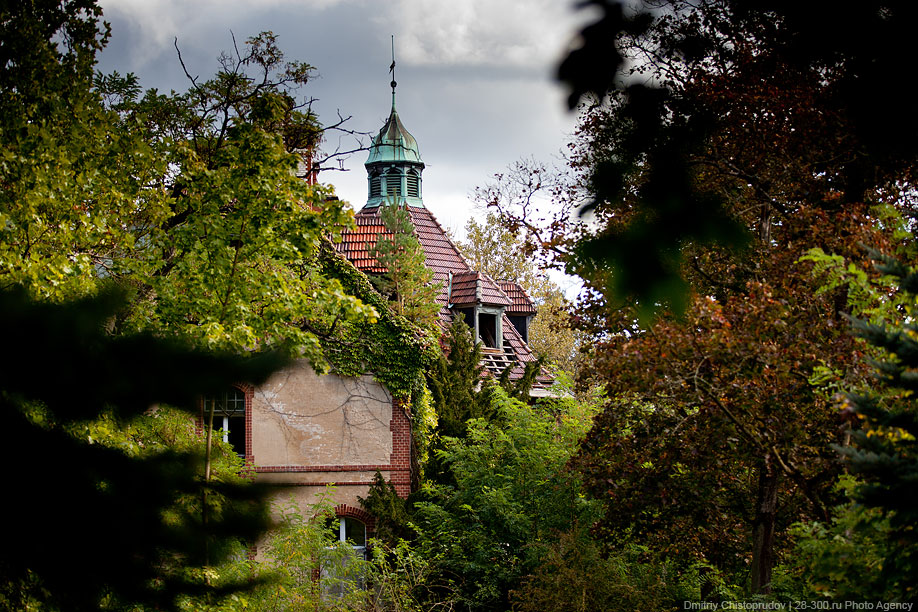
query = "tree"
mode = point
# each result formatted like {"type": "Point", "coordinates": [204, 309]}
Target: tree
{"type": "Point", "coordinates": [807, 79]}
{"type": "Point", "coordinates": [189, 203]}
{"type": "Point", "coordinates": [503, 254]}
{"type": "Point", "coordinates": [740, 133]}
{"type": "Point", "coordinates": [883, 455]}
{"type": "Point", "coordinates": [716, 437]}
{"type": "Point", "coordinates": [458, 389]}
{"type": "Point", "coordinates": [510, 495]}
{"type": "Point", "coordinates": [129, 515]}
{"type": "Point", "coordinates": [407, 281]}
{"type": "Point", "coordinates": [720, 408]}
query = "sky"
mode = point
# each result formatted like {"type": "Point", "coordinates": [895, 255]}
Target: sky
{"type": "Point", "coordinates": [476, 83]}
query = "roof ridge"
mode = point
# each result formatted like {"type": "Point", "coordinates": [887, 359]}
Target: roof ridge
{"type": "Point", "coordinates": [442, 232]}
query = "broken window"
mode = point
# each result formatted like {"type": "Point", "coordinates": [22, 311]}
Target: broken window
{"type": "Point", "coordinates": [229, 417]}
{"type": "Point", "coordinates": [487, 329]}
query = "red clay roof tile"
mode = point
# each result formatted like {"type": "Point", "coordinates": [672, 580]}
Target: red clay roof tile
{"type": "Point", "coordinates": [468, 286]}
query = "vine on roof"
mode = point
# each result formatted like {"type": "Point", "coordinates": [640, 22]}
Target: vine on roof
{"type": "Point", "coordinates": [396, 351]}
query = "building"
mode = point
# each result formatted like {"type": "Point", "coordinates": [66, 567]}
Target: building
{"type": "Point", "coordinates": [302, 431]}
{"type": "Point", "coordinates": [499, 311]}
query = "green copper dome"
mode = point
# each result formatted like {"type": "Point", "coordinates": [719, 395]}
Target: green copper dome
{"type": "Point", "coordinates": [394, 143]}
{"type": "Point", "coordinates": [394, 165]}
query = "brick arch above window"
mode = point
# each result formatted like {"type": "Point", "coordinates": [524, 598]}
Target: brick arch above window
{"type": "Point", "coordinates": [343, 510]}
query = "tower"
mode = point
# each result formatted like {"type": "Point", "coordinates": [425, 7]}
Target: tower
{"type": "Point", "coordinates": [394, 165]}
{"type": "Point", "coordinates": [498, 312]}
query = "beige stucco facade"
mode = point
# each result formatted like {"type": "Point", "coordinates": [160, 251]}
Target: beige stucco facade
{"type": "Point", "coordinates": [309, 431]}
{"type": "Point", "coordinates": [302, 419]}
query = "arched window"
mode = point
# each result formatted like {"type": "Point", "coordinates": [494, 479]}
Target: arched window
{"type": "Point", "coordinates": [351, 531]}
{"type": "Point", "coordinates": [229, 417]}
{"type": "Point", "coordinates": [414, 184]}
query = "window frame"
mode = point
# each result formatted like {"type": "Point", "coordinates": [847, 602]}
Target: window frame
{"type": "Point", "coordinates": [247, 392]}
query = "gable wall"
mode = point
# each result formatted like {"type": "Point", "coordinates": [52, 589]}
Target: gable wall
{"type": "Point", "coordinates": [309, 431]}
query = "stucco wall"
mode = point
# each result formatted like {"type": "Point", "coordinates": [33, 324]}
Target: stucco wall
{"type": "Point", "coordinates": [303, 419]}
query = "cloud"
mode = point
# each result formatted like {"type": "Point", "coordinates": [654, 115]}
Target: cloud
{"type": "Point", "coordinates": [475, 76]}
{"type": "Point", "coordinates": [154, 24]}
{"type": "Point", "coordinates": [479, 32]}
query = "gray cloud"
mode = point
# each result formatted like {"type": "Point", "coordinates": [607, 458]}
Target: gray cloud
{"type": "Point", "coordinates": [475, 76]}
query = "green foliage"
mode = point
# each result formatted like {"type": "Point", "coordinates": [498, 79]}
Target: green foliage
{"type": "Point", "coordinates": [455, 381]}
{"type": "Point", "coordinates": [519, 388]}
{"type": "Point", "coordinates": [844, 558]}
{"type": "Point", "coordinates": [47, 57]}
{"type": "Point", "coordinates": [576, 575]}
{"type": "Point", "coordinates": [190, 201]}
{"type": "Point", "coordinates": [407, 282]}
{"type": "Point", "coordinates": [311, 569]}
{"type": "Point", "coordinates": [389, 346]}
{"type": "Point", "coordinates": [883, 455]}
{"type": "Point", "coordinates": [307, 568]}
{"type": "Point", "coordinates": [511, 494]}
{"type": "Point", "coordinates": [74, 400]}
{"type": "Point", "coordinates": [389, 510]}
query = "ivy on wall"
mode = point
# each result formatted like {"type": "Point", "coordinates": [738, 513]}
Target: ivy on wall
{"type": "Point", "coordinates": [390, 347]}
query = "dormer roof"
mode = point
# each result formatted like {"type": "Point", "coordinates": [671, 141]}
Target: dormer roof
{"type": "Point", "coordinates": [473, 287]}
{"type": "Point", "coordinates": [521, 303]}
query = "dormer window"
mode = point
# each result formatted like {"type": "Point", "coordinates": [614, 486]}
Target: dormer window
{"type": "Point", "coordinates": [487, 329]}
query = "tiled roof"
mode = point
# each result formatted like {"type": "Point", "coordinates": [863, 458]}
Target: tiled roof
{"type": "Point", "coordinates": [440, 254]}
{"type": "Point", "coordinates": [474, 287]}
{"type": "Point", "coordinates": [491, 293]}
{"type": "Point", "coordinates": [464, 289]}
{"type": "Point", "coordinates": [521, 302]}
{"type": "Point", "coordinates": [468, 286]}
{"type": "Point", "coordinates": [354, 243]}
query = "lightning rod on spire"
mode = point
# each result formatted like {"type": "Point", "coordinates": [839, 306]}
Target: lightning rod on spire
{"type": "Point", "coordinates": [392, 70]}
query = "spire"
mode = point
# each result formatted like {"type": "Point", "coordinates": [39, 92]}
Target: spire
{"type": "Point", "coordinates": [392, 70]}
{"type": "Point", "coordinates": [394, 164]}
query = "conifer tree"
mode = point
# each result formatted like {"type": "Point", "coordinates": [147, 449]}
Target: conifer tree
{"type": "Point", "coordinates": [455, 381]}
{"type": "Point", "coordinates": [407, 281]}
{"type": "Point", "coordinates": [885, 454]}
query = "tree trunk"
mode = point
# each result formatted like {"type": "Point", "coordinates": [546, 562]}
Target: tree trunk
{"type": "Point", "coordinates": [763, 529]}
{"type": "Point", "coordinates": [207, 469]}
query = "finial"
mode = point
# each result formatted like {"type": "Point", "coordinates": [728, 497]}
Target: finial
{"type": "Point", "coordinates": [392, 70]}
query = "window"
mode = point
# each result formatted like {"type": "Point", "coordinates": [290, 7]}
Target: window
{"type": "Point", "coordinates": [468, 315]}
{"type": "Point", "coordinates": [229, 417]}
{"type": "Point", "coordinates": [414, 184]}
{"type": "Point", "coordinates": [351, 531]}
{"type": "Point", "coordinates": [521, 323]}
{"type": "Point", "coordinates": [375, 185]}
{"type": "Point", "coordinates": [487, 329]}
{"type": "Point", "coordinates": [339, 572]}
{"type": "Point", "coordinates": [394, 183]}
